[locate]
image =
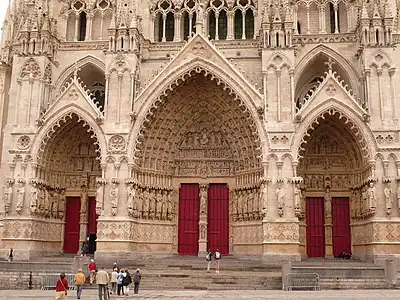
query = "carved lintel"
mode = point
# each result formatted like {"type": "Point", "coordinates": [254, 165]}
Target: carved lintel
{"type": "Point", "coordinates": [296, 180]}
{"type": "Point", "coordinates": [386, 180]}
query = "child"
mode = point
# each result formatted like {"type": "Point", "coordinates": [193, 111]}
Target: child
{"type": "Point", "coordinates": [217, 257]}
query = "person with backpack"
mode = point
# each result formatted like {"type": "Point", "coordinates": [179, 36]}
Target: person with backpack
{"type": "Point", "coordinates": [136, 280]}
{"type": "Point", "coordinates": [126, 281]}
{"type": "Point", "coordinates": [208, 259]}
{"type": "Point", "coordinates": [217, 257]}
{"type": "Point", "coordinates": [120, 287]}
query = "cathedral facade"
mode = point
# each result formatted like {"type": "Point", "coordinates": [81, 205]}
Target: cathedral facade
{"type": "Point", "coordinates": [261, 128]}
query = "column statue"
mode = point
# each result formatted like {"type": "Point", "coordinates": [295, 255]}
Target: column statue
{"type": "Point", "coordinates": [34, 198]}
{"type": "Point", "coordinates": [99, 196]}
{"type": "Point", "coordinates": [84, 199]}
{"type": "Point", "coordinates": [145, 207]}
{"type": "Point", "coordinates": [61, 204]}
{"type": "Point", "coordinates": [54, 204]}
{"type": "Point", "coordinates": [280, 194]}
{"type": "Point", "coordinates": [264, 199]}
{"type": "Point", "coordinates": [164, 208]}
{"type": "Point", "coordinates": [20, 197]}
{"type": "Point", "coordinates": [388, 199]}
{"type": "Point", "coordinates": [131, 193]}
{"type": "Point", "coordinates": [297, 199]}
{"type": "Point", "coordinates": [159, 200]}
{"type": "Point", "coordinates": [328, 204]}
{"type": "Point", "coordinates": [371, 194]}
{"type": "Point", "coordinates": [114, 194]}
{"type": "Point", "coordinates": [7, 197]}
{"type": "Point", "coordinates": [203, 200]}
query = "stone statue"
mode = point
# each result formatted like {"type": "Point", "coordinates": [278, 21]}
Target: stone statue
{"type": "Point", "coordinates": [145, 207]}
{"type": "Point", "coordinates": [152, 203]}
{"type": "Point", "coordinates": [46, 203]}
{"type": "Point", "coordinates": [99, 198]}
{"type": "Point", "coordinates": [199, 12]}
{"type": "Point", "coordinates": [114, 193]}
{"type": "Point", "coordinates": [328, 203]}
{"type": "Point", "coordinates": [131, 192]}
{"type": "Point", "coordinates": [203, 200]}
{"type": "Point", "coordinates": [297, 198]}
{"type": "Point", "coordinates": [371, 193]}
{"type": "Point", "coordinates": [41, 199]}
{"type": "Point", "coordinates": [280, 194]}
{"type": "Point", "coordinates": [34, 198]}
{"type": "Point", "coordinates": [20, 198]}
{"type": "Point", "coordinates": [84, 200]}
{"type": "Point", "coordinates": [234, 204]}
{"type": "Point", "coordinates": [250, 202]}
{"type": "Point", "coordinates": [159, 200]}
{"type": "Point", "coordinates": [7, 197]}
{"type": "Point", "coordinates": [388, 199]}
{"type": "Point", "coordinates": [352, 204]}
{"type": "Point", "coordinates": [54, 204]}
{"type": "Point", "coordinates": [61, 204]}
{"type": "Point", "coordinates": [398, 195]}
{"type": "Point", "coordinates": [264, 199]}
{"type": "Point", "coordinates": [164, 207]}
{"type": "Point", "coordinates": [240, 204]}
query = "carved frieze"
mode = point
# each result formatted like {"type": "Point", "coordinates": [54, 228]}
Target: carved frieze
{"type": "Point", "coordinates": [280, 232]}
{"type": "Point", "coordinates": [250, 234]}
{"type": "Point", "coordinates": [32, 229]}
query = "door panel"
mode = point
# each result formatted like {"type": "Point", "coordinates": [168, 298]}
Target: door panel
{"type": "Point", "coordinates": [92, 225]}
{"type": "Point", "coordinates": [71, 236]}
{"type": "Point", "coordinates": [341, 236]}
{"type": "Point", "coordinates": [188, 229]}
{"type": "Point", "coordinates": [218, 218]}
{"type": "Point", "coordinates": [315, 227]}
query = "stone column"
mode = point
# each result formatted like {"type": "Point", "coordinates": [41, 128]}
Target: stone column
{"type": "Point", "coordinates": [203, 219]}
{"type": "Point", "coordinates": [328, 222]}
{"type": "Point", "coordinates": [83, 218]}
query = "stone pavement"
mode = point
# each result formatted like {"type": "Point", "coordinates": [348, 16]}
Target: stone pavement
{"type": "Point", "coordinates": [240, 295]}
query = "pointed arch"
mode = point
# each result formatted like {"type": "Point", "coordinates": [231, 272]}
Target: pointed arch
{"type": "Point", "coordinates": [249, 100]}
{"type": "Point", "coordinates": [354, 122]}
{"type": "Point", "coordinates": [329, 52]}
{"type": "Point", "coordinates": [61, 116]}
{"type": "Point", "coordinates": [68, 71]}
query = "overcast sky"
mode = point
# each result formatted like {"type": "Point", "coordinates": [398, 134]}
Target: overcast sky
{"type": "Point", "coordinates": [3, 9]}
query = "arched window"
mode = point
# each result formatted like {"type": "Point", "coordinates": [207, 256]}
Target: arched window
{"type": "Point", "coordinates": [217, 17]}
{"type": "Point", "coordinates": [99, 92]}
{"type": "Point", "coordinates": [244, 20]}
{"type": "Point", "coordinates": [101, 20]}
{"type": "Point", "coordinates": [332, 18]}
{"type": "Point", "coordinates": [76, 22]}
{"type": "Point", "coordinates": [164, 22]}
{"type": "Point", "coordinates": [189, 19]}
{"type": "Point", "coordinates": [82, 26]}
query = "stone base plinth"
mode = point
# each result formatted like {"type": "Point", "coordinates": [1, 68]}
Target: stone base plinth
{"type": "Point", "coordinates": [279, 258]}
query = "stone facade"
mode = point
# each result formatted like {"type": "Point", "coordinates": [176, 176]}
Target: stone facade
{"type": "Point", "coordinates": [124, 100]}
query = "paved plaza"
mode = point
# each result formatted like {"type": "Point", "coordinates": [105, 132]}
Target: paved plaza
{"type": "Point", "coordinates": [234, 294]}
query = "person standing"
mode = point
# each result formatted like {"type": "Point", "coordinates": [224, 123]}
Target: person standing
{"type": "Point", "coordinates": [79, 280]}
{"type": "Point", "coordinates": [208, 259]}
{"type": "Point", "coordinates": [61, 287]}
{"type": "Point", "coordinates": [114, 275]}
{"type": "Point", "coordinates": [136, 280]}
{"type": "Point", "coordinates": [11, 255]}
{"type": "Point", "coordinates": [126, 281]}
{"type": "Point", "coordinates": [102, 280]}
{"type": "Point", "coordinates": [120, 287]}
{"type": "Point", "coordinates": [217, 257]}
{"type": "Point", "coordinates": [84, 248]}
{"type": "Point", "coordinates": [92, 269]}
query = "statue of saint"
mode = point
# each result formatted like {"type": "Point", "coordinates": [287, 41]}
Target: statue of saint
{"type": "Point", "coordinates": [203, 200]}
{"type": "Point", "coordinates": [388, 199]}
{"type": "Point", "coordinates": [280, 193]}
{"type": "Point", "coordinates": [131, 192]}
{"type": "Point", "coordinates": [371, 194]}
{"type": "Point", "coordinates": [328, 203]}
{"type": "Point", "coordinates": [297, 196]}
{"type": "Point", "coordinates": [159, 200]}
{"type": "Point", "coordinates": [34, 198]}
{"type": "Point", "coordinates": [145, 207]}
{"type": "Point", "coordinates": [264, 199]}
{"type": "Point", "coordinates": [199, 12]}
{"type": "Point", "coordinates": [61, 204]}
{"type": "Point", "coordinates": [20, 198]}
{"type": "Point", "coordinates": [99, 198]}
{"type": "Point", "coordinates": [114, 193]}
{"type": "Point", "coordinates": [164, 207]}
{"type": "Point", "coordinates": [7, 197]}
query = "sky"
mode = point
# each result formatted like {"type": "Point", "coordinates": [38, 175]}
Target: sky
{"type": "Point", "coordinates": [3, 9]}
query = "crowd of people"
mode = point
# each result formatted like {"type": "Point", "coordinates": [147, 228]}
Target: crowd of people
{"type": "Point", "coordinates": [117, 282]}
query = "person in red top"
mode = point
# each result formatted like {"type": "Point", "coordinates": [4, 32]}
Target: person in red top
{"type": "Point", "coordinates": [92, 268]}
{"type": "Point", "coordinates": [61, 287]}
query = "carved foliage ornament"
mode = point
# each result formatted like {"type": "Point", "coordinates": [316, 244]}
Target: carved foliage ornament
{"type": "Point", "coordinates": [31, 69]}
{"type": "Point", "coordinates": [23, 142]}
{"type": "Point", "coordinates": [117, 143]}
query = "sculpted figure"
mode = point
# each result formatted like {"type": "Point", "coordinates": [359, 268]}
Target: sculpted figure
{"type": "Point", "coordinates": [398, 195]}
{"type": "Point", "coordinates": [20, 198]}
{"type": "Point", "coordinates": [240, 204]}
{"type": "Point", "coordinates": [280, 195]}
{"type": "Point", "coordinates": [264, 199]}
{"type": "Point", "coordinates": [328, 203]}
{"type": "Point", "coordinates": [152, 203]}
{"type": "Point", "coordinates": [99, 198]}
{"type": "Point", "coordinates": [114, 193]}
{"type": "Point", "coordinates": [61, 204]}
{"type": "Point", "coordinates": [200, 11]}
{"type": "Point", "coordinates": [84, 200]}
{"type": "Point", "coordinates": [250, 202]}
{"type": "Point", "coordinates": [234, 203]}
{"type": "Point", "coordinates": [371, 193]}
{"type": "Point", "coordinates": [388, 199]}
{"type": "Point", "coordinates": [145, 207]}
{"type": "Point", "coordinates": [34, 198]}
{"type": "Point", "coordinates": [171, 204]}
{"type": "Point", "coordinates": [131, 192]}
{"type": "Point", "coordinates": [203, 200]}
{"type": "Point", "coordinates": [159, 200]}
{"type": "Point", "coordinates": [164, 207]}
{"type": "Point", "coordinates": [46, 203]}
{"type": "Point", "coordinates": [297, 197]}
{"type": "Point", "coordinates": [7, 197]}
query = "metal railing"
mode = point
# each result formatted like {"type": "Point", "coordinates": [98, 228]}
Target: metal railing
{"type": "Point", "coordinates": [301, 281]}
{"type": "Point", "coordinates": [49, 281]}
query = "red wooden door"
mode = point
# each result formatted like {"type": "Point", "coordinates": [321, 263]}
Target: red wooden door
{"type": "Point", "coordinates": [218, 218]}
{"type": "Point", "coordinates": [188, 228]}
{"type": "Point", "coordinates": [315, 227]}
{"type": "Point", "coordinates": [71, 235]}
{"type": "Point", "coordinates": [92, 218]}
{"type": "Point", "coordinates": [341, 237]}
